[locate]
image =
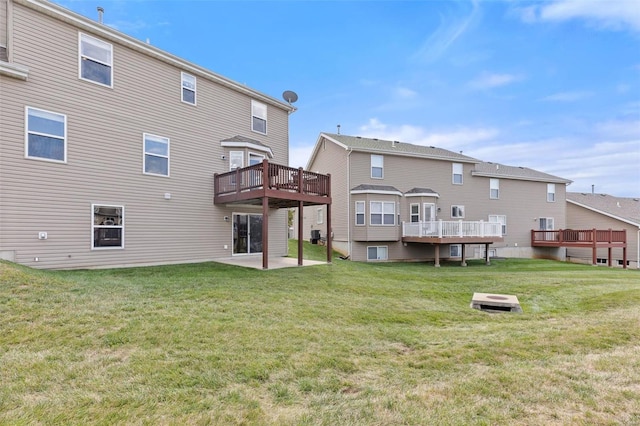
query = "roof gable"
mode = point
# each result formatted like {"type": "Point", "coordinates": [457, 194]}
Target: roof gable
{"type": "Point", "coordinates": [619, 208]}
{"type": "Point", "coordinates": [495, 170]}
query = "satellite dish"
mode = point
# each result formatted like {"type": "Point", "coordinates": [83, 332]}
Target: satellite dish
{"type": "Point", "coordinates": [290, 96]}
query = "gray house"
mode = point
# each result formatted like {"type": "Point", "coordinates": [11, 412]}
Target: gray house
{"type": "Point", "coordinates": [109, 147]}
{"type": "Point", "coordinates": [399, 201]}
{"type": "Point", "coordinates": [602, 211]}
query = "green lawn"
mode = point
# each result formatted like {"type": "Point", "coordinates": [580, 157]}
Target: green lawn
{"type": "Point", "coordinates": [343, 344]}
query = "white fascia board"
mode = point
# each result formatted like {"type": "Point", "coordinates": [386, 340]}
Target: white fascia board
{"type": "Point", "coordinates": [312, 157]}
{"type": "Point", "coordinates": [425, 194]}
{"type": "Point", "coordinates": [612, 216]}
{"type": "Point", "coordinates": [20, 72]}
{"type": "Point", "coordinates": [248, 145]}
{"type": "Point", "coordinates": [527, 178]}
{"type": "Point", "coordinates": [415, 155]}
{"type": "Point", "coordinates": [376, 191]}
{"type": "Point", "coordinates": [83, 23]}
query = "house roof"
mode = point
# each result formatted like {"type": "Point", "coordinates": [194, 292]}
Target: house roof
{"type": "Point", "coordinates": [422, 191]}
{"type": "Point", "coordinates": [243, 142]}
{"type": "Point", "coordinates": [495, 170]}
{"type": "Point", "coordinates": [625, 209]}
{"type": "Point", "coordinates": [375, 189]}
{"type": "Point", "coordinates": [108, 33]}
{"type": "Point", "coordinates": [373, 145]}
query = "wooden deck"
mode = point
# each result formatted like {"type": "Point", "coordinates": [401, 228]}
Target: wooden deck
{"type": "Point", "coordinates": [275, 186]}
{"type": "Point", "coordinates": [584, 238]}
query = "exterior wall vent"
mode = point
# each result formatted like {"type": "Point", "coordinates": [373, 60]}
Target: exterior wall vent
{"type": "Point", "coordinates": [495, 302]}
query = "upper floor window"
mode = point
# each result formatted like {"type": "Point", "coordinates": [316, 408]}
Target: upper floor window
{"type": "Point", "coordinates": [457, 173]}
{"type": "Point", "coordinates": [494, 189]}
{"type": "Point", "coordinates": [107, 226]}
{"type": "Point", "coordinates": [501, 219]}
{"type": "Point", "coordinates": [258, 117]}
{"type": "Point", "coordinates": [359, 212]}
{"type": "Point", "coordinates": [551, 192]}
{"type": "Point", "coordinates": [457, 211]}
{"type": "Point", "coordinates": [415, 213]}
{"type": "Point", "coordinates": [188, 88]}
{"type": "Point", "coordinates": [46, 136]}
{"type": "Point", "coordinates": [377, 166]}
{"type": "Point", "coordinates": [96, 60]}
{"type": "Point", "coordinates": [383, 213]}
{"type": "Point", "coordinates": [156, 155]}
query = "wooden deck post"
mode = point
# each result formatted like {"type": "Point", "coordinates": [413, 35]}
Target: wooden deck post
{"type": "Point", "coordinates": [437, 259]}
{"type": "Point", "coordinates": [594, 250]}
{"type": "Point", "coordinates": [329, 244]}
{"type": "Point", "coordinates": [486, 255]}
{"type": "Point", "coordinates": [265, 233]}
{"type": "Point", "coordinates": [300, 233]}
{"type": "Point", "coordinates": [464, 259]}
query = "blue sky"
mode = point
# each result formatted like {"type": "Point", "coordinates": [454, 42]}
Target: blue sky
{"type": "Point", "coordinates": [551, 85]}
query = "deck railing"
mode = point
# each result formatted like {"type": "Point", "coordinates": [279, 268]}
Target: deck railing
{"type": "Point", "coordinates": [579, 236]}
{"type": "Point", "coordinates": [452, 229]}
{"type": "Point", "coordinates": [272, 176]}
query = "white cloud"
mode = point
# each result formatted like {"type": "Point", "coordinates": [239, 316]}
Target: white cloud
{"type": "Point", "coordinates": [300, 155]}
{"type": "Point", "coordinates": [611, 15]}
{"type": "Point", "coordinates": [567, 96]}
{"type": "Point", "coordinates": [490, 81]}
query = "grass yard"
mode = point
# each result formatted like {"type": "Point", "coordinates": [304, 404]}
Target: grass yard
{"type": "Point", "coordinates": [343, 344]}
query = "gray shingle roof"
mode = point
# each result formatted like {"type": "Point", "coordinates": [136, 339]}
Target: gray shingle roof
{"type": "Point", "coordinates": [387, 188]}
{"type": "Point", "coordinates": [358, 143]}
{"type": "Point", "coordinates": [238, 138]}
{"type": "Point", "coordinates": [496, 170]}
{"type": "Point", "coordinates": [421, 191]}
{"type": "Point", "coordinates": [625, 208]}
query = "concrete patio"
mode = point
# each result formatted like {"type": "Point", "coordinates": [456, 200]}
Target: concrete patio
{"type": "Point", "coordinates": [255, 261]}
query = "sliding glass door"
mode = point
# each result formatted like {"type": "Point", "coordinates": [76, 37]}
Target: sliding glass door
{"type": "Point", "coordinates": [247, 233]}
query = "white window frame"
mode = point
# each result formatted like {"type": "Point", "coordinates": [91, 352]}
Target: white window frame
{"type": "Point", "coordinates": [320, 216]}
{"type": "Point", "coordinates": [63, 138]}
{"type": "Point", "coordinates": [188, 83]}
{"type": "Point", "coordinates": [383, 212]}
{"type": "Point", "coordinates": [501, 219]}
{"type": "Point", "coordinates": [85, 38]}
{"type": "Point", "coordinates": [360, 213]}
{"type": "Point", "coordinates": [457, 211]}
{"type": "Point", "coordinates": [551, 193]}
{"type": "Point", "coordinates": [414, 215]}
{"type": "Point", "coordinates": [455, 250]}
{"type": "Point", "coordinates": [378, 249]}
{"type": "Point", "coordinates": [157, 139]}
{"type": "Point", "coordinates": [234, 156]}
{"type": "Point", "coordinates": [95, 227]}
{"type": "Point", "coordinates": [457, 170]}
{"type": "Point", "coordinates": [258, 111]}
{"type": "Point", "coordinates": [546, 224]}
{"type": "Point", "coordinates": [377, 162]}
{"type": "Point", "coordinates": [494, 189]}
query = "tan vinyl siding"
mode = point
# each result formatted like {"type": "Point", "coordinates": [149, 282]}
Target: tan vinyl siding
{"type": "Point", "coordinates": [105, 156]}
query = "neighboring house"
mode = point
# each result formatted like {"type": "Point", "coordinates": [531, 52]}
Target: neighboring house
{"type": "Point", "coordinates": [109, 146]}
{"type": "Point", "coordinates": [398, 201]}
{"type": "Point", "coordinates": [602, 211]}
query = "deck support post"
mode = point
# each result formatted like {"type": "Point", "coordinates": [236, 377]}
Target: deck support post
{"type": "Point", "coordinates": [486, 255]}
{"type": "Point", "coordinates": [265, 233]}
{"type": "Point", "coordinates": [464, 259]}
{"type": "Point", "coordinates": [300, 231]}
{"type": "Point", "coordinates": [329, 232]}
{"type": "Point", "coordinates": [437, 259]}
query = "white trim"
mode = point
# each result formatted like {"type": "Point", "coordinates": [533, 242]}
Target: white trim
{"type": "Point", "coordinates": [545, 178]}
{"type": "Point", "coordinates": [248, 145]}
{"type": "Point", "coordinates": [159, 139]}
{"type": "Point", "coordinates": [96, 42]}
{"type": "Point", "coordinates": [20, 72]}
{"type": "Point", "coordinates": [255, 154]}
{"type": "Point", "coordinates": [364, 213]}
{"type": "Point", "coordinates": [375, 191]}
{"type": "Point", "coordinates": [26, 135]}
{"type": "Point", "coordinates": [491, 188]}
{"type": "Point", "coordinates": [93, 226]}
{"type": "Point", "coordinates": [382, 213]}
{"type": "Point", "coordinates": [454, 174]}
{"type": "Point", "coordinates": [423, 194]}
{"type": "Point", "coordinates": [81, 22]}
{"type": "Point", "coordinates": [377, 247]}
{"type": "Point", "coordinates": [381, 167]}
{"type": "Point", "coordinates": [460, 208]}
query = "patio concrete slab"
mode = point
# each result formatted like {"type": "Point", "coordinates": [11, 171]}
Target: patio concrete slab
{"type": "Point", "coordinates": [274, 262]}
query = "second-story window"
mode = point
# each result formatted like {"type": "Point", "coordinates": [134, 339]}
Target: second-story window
{"type": "Point", "coordinates": [96, 60]}
{"type": "Point", "coordinates": [494, 189]}
{"type": "Point", "coordinates": [377, 166]}
{"type": "Point", "coordinates": [551, 192]}
{"type": "Point", "coordinates": [258, 117]}
{"type": "Point", "coordinates": [188, 88]}
{"type": "Point", "coordinates": [46, 135]}
{"type": "Point", "coordinates": [457, 173]}
{"type": "Point", "coordinates": [457, 212]}
{"type": "Point", "coordinates": [156, 155]}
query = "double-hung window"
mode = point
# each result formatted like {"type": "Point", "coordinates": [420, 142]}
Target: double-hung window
{"type": "Point", "coordinates": [156, 155]}
{"type": "Point", "coordinates": [494, 189]}
{"type": "Point", "coordinates": [457, 212]}
{"type": "Point", "coordinates": [96, 60]}
{"type": "Point", "coordinates": [188, 88]}
{"type": "Point", "coordinates": [501, 219]}
{"type": "Point", "coordinates": [258, 117]}
{"type": "Point", "coordinates": [46, 136]}
{"type": "Point", "coordinates": [107, 226]}
{"type": "Point", "coordinates": [456, 173]}
{"type": "Point", "coordinates": [415, 213]}
{"type": "Point", "coordinates": [377, 166]}
{"type": "Point", "coordinates": [551, 192]}
{"type": "Point", "coordinates": [360, 213]}
{"type": "Point", "coordinates": [377, 253]}
{"type": "Point", "coordinates": [382, 213]}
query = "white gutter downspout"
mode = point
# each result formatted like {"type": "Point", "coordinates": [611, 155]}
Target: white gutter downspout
{"type": "Point", "coordinates": [349, 200]}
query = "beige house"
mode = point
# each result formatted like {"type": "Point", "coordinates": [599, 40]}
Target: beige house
{"type": "Point", "coordinates": [109, 146]}
{"type": "Point", "coordinates": [602, 211]}
{"type": "Point", "coordinates": [398, 201]}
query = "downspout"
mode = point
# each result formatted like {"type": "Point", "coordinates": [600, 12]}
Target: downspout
{"type": "Point", "coordinates": [349, 200]}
